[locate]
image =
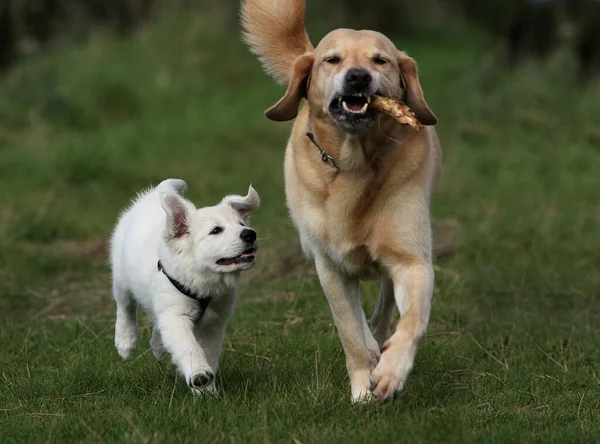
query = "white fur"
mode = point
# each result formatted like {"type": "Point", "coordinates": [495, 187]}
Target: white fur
{"type": "Point", "coordinates": [160, 224]}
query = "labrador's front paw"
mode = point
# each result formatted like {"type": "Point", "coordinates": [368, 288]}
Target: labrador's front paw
{"type": "Point", "coordinates": [390, 375]}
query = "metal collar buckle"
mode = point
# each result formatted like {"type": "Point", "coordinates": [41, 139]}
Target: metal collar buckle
{"type": "Point", "coordinates": [324, 156]}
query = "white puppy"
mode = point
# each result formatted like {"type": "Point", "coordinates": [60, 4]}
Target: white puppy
{"type": "Point", "coordinates": [182, 265]}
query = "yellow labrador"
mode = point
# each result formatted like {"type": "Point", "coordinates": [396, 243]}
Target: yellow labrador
{"type": "Point", "coordinates": [358, 184]}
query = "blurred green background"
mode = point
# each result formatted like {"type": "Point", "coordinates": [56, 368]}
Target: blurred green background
{"type": "Point", "coordinates": [99, 99]}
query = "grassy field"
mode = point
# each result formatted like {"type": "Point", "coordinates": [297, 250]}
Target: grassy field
{"type": "Point", "coordinates": [513, 350]}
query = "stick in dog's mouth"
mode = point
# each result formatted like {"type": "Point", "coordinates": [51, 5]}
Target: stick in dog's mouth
{"type": "Point", "coordinates": [359, 105]}
{"type": "Point", "coordinates": [245, 257]}
{"type": "Point", "coordinates": [397, 109]}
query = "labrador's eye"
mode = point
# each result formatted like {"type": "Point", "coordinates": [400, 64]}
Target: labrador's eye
{"type": "Point", "coordinates": [216, 230]}
{"type": "Point", "coordinates": [333, 60]}
{"type": "Point", "coordinates": [380, 61]}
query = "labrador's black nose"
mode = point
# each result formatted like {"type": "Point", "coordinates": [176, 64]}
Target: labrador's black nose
{"type": "Point", "coordinates": [358, 79]}
{"type": "Point", "coordinates": [248, 235]}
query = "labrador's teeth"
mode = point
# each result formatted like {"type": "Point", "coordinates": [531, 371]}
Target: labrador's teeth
{"type": "Point", "coordinates": [339, 100]}
{"type": "Point", "coordinates": [361, 111]}
{"type": "Point", "coordinates": [368, 99]}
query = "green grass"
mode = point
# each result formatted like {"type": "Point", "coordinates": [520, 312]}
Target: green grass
{"type": "Point", "coordinates": [513, 351]}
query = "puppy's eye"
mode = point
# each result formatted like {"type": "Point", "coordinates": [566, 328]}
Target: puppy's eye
{"type": "Point", "coordinates": [380, 61]}
{"type": "Point", "coordinates": [333, 60]}
{"type": "Point", "coordinates": [216, 230]}
{"type": "Point", "coordinates": [242, 224]}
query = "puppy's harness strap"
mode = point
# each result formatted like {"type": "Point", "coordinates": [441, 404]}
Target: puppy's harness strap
{"type": "Point", "coordinates": [203, 301]}
{"type": "Point", "coordinates": [324, 156]}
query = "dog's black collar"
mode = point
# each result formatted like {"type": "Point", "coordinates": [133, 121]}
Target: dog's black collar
{"type": "Point", "coordinates": [324, 156]}
{"type": "Point", "coordinates": [202, 300]}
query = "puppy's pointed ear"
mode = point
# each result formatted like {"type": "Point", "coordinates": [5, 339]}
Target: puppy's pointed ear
{"type": "Point", "coordinates": [287, 107]}
{"type": "Point", "coordinates": [243, 205]}
{"type": "Point", "coordinates": [413, 92]}
{"type": "Point", "coordinates": [177, 214]}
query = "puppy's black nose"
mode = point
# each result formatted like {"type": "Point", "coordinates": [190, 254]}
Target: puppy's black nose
{"type": "Point", "coordinates": [358, 79]}
{"type": "Point", "coordinates": [248, 235]}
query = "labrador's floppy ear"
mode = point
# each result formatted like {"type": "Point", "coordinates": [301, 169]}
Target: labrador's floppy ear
{"type": "Point", "coordinates": [287, 107]}
{"type": "Point", "coordinates": [413, 92]}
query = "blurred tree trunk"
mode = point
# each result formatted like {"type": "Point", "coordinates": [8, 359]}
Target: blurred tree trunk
{"type": "Point", "coordinates": [7, 40]}
{"type": "Point", "coordinates": [585, 22]}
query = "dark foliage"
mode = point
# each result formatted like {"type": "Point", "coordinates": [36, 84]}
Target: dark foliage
{"type": "Point", "coordinates": [29, 25]}
{"type": "Point", "coordinates": [526, 28]}
{"type": "Point", "coordinates": [523, 28]}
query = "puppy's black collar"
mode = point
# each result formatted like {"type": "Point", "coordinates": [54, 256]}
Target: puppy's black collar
{"type": "Point", "coordinates": [203, 301]}
{"type": "Point", "coordinates": [324, 156]}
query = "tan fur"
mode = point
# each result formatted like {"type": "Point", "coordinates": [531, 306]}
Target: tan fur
{"type": "Point", "coordinates": [274, 31]}
{"type": "Point", "coordinates": [370, 218]}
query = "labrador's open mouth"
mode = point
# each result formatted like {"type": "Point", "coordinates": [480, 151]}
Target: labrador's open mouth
{"type": "Point", "coordinates": [353, 109]}
{"type": "Point", "coordinates": [246, 257]}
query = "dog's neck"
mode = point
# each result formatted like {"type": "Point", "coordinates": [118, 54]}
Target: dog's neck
{"type": "Point", "coordinates": [181, 287]}
{"type": "Point", "coordinates": [203, 283]}
{"type": "Point", "coordinates": [351, 151]}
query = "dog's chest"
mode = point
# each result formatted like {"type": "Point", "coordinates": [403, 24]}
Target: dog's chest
{"type": "Point", "coordinates": [337, 212]}
{"type": "Point", "coordinates": [340, 229]}
{"type": "Point", "coordinates": [356, 261]}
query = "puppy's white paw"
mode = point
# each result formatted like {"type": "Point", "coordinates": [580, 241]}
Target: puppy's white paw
{"type": "Point", "coordinates": [125, 352]}
{"type": "Point", "coordinates": [126, 345]}
{"type": "Point", "coordinates": [126, 336]}
{"type": "Point", "coordinates": [209, 389]}
{"type": "Point", "coordinates": [202, 382]}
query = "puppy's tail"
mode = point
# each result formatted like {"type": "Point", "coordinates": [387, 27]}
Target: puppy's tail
{"type": "Point", "coordinates": [172, 185]}
{"type": "Point", "coordinates": [274, 30]}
